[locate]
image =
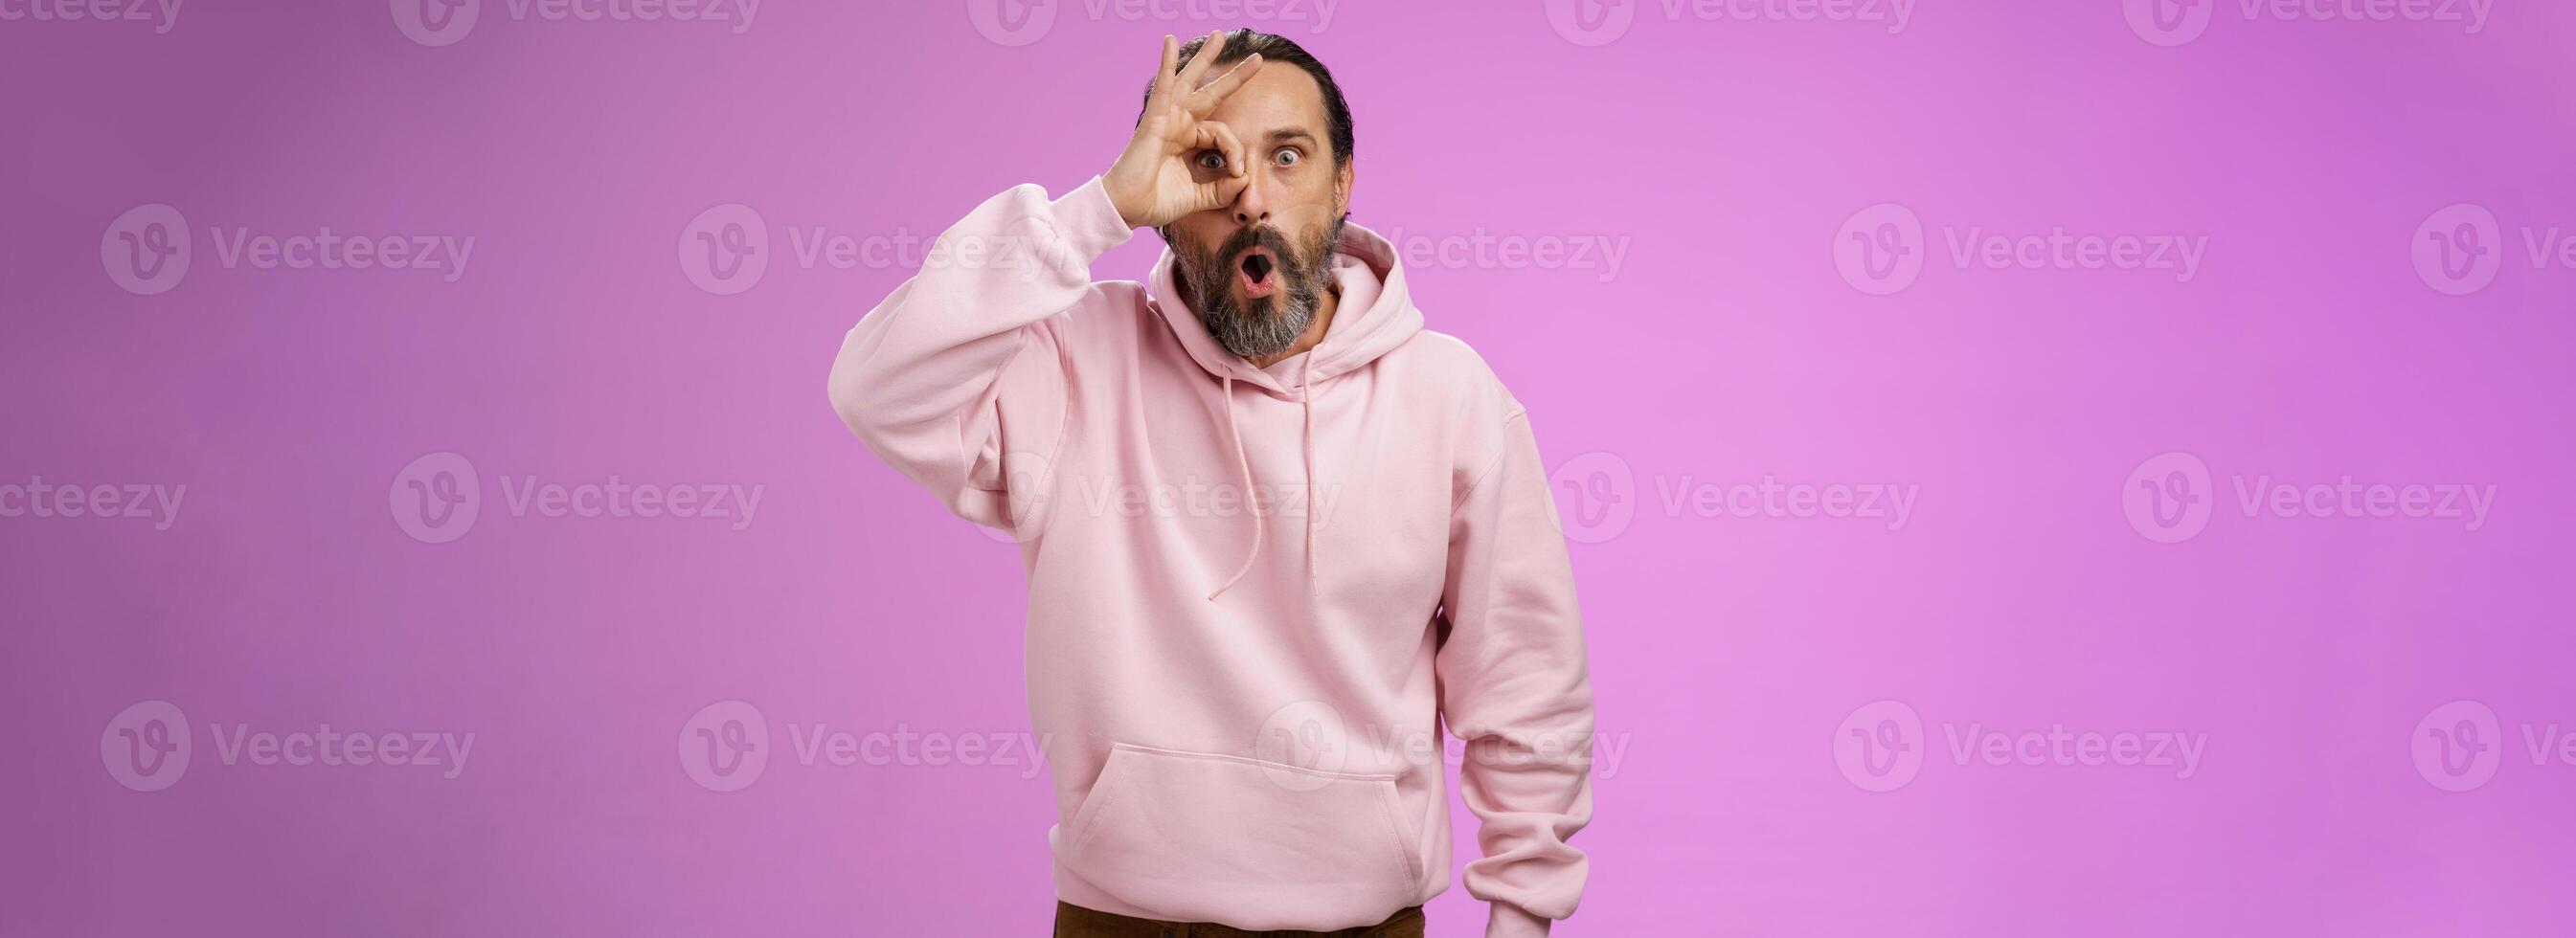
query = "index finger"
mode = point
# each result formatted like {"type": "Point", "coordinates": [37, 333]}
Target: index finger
{"type": "Point", "coordinates": [1234, 78]}
{"type": "Point", "coordinates": [1171, 61]}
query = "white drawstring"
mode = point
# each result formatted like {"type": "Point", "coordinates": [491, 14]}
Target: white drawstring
{"type": "Point", "coordinates": [1236, 432]}
{"type": "Point", "coordinates": [1306, 399]}
{"type": "Point", "coordinates": [1306, 402]}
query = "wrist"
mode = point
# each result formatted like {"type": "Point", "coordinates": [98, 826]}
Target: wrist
{"type": "Point", "coordinates": [1120, 200]}
{"type": "Point", "coordinates": [1088, 222]}
{"type": "Point", "coordinates": [1510, 921]}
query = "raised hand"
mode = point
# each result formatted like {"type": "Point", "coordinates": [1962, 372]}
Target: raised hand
{"type": "Point", "coordinates": [1180, 162]}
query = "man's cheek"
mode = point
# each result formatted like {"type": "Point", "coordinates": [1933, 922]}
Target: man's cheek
{"type": "Point", "coordinates": [1319, 249]}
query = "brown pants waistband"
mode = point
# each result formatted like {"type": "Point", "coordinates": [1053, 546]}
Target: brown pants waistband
{"type": "Point", "coordinates": [1073, 921]}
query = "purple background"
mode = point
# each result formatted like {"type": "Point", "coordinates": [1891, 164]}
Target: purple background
{"type": "Point", "coordinates": [1732, 654]}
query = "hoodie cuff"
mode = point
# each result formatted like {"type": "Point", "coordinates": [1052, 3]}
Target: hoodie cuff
{"type": "Point", "coordinates": [1088, 222]}
{"type": "Point", "coordinates": [1510, 921]}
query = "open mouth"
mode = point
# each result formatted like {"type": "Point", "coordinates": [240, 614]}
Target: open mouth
{"type": "Point", "coordinates": [1258, 272]}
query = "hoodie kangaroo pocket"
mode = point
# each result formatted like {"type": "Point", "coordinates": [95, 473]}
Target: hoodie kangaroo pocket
{"type": "Point", "coordinates": [1251, 843]}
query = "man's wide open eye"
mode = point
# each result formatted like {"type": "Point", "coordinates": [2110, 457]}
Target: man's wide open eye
{"type": "Point", "coordinates": [1288, 156]}
{"type": "Point", "coordinates": [1211, 159]}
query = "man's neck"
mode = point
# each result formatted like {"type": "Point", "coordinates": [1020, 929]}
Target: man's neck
{"type": "Point", "coordinates": [1324, 307]}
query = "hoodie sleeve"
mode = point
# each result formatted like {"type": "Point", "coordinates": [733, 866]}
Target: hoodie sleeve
{"type": "Point", "coordinates": [1515, 689]}
{"type": "Point", "coordinates": [964, 364]}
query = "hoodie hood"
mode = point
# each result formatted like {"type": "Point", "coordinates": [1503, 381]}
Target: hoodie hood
{"type": "Point", "coordinates": [1373, 315]}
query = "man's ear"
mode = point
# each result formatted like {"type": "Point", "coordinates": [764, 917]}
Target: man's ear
{"type": "Point", "coordinates": [1342, 180]}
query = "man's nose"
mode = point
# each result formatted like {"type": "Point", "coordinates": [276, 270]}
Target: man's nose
{"type": "Point", "coordinates": [1252, 205]}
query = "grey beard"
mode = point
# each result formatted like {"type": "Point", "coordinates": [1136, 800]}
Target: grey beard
{"type": "Point", "coordinates": [1268, 326]}
{"type": "Point", "coordinates": [1271, 324]}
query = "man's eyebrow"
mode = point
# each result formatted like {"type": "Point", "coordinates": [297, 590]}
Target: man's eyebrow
{"type": "Point", "coordinates": [1283, 136]}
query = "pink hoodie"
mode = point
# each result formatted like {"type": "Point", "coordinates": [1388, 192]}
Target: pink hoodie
{"type": "Point", "coordinates": [1239, 693]}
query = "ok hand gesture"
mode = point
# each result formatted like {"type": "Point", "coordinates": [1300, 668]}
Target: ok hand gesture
{"type": "Point", "coordinates": [1180, 162]}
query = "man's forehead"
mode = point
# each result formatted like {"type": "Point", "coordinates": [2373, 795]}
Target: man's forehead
{"type": "Point", "coordinates": [1279, 97]}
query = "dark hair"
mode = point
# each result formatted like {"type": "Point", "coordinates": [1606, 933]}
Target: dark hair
{"type": "Point", "coordinates": [1278, 50]}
